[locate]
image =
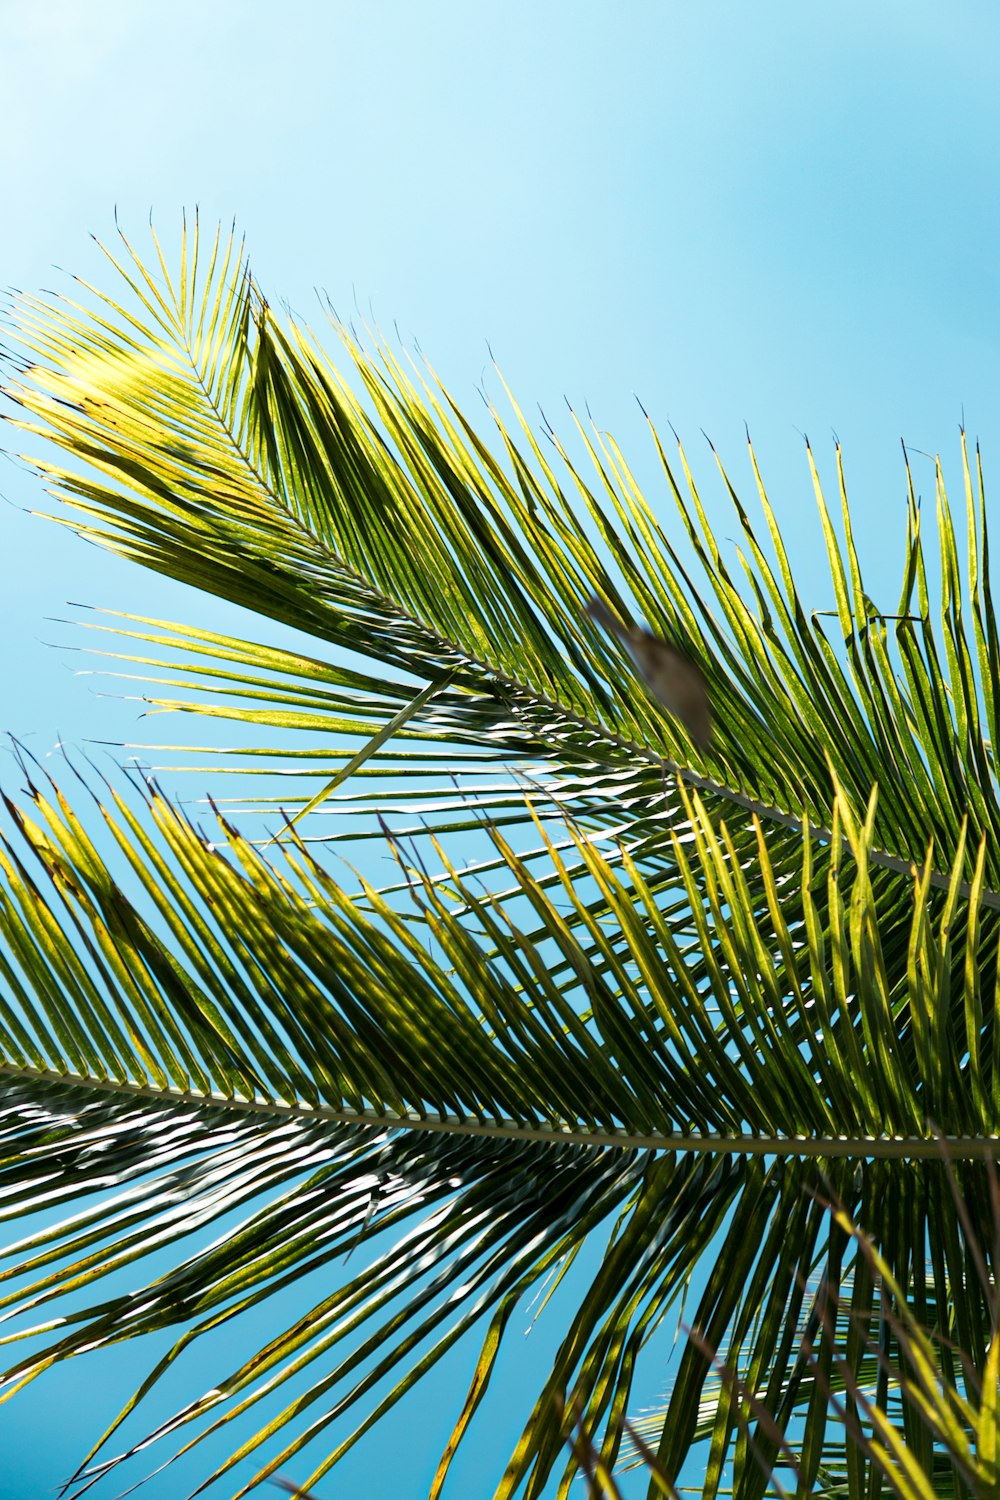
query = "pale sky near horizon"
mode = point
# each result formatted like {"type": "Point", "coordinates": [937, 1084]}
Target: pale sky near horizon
{"type": "Point", "coordinates": [781, 214]}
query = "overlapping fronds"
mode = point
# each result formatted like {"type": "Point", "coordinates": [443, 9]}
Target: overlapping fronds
{"type": "Point", "coordinates": [913, 1387]}
{"type": "Point", "coordinates": [619, 986]}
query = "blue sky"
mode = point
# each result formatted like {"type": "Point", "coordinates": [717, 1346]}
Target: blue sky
{"type": "Point", "coordinates": [784, 215]}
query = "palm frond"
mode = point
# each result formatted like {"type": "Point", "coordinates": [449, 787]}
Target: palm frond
{"type": "Point", "coordinates": [672, 996]}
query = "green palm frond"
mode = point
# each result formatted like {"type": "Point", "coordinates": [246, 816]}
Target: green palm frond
{"type": "Point", "coordinates": [616, 986]}
{"type": "Point", "coordinates": [915, 1413]}
{"type": "Point", "coordinates": [399, 535]}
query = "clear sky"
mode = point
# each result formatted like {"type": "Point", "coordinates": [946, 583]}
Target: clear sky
{"type": "Point", "coordinates": [783, 214]}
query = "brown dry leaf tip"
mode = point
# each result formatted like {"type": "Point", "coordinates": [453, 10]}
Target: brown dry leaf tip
{"type": "Point", "coordinates": [671, 676]}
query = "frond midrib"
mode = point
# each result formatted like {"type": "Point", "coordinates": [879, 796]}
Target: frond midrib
{"type": "Point", "coordinates": [896, 1147]}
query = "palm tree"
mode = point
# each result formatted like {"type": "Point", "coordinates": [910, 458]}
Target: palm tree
{"type": "Point", "coordinates": [623, 974]}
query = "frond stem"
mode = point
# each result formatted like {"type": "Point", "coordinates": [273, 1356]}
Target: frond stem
{"type": "Point", "coordinates": [862, 1147]}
